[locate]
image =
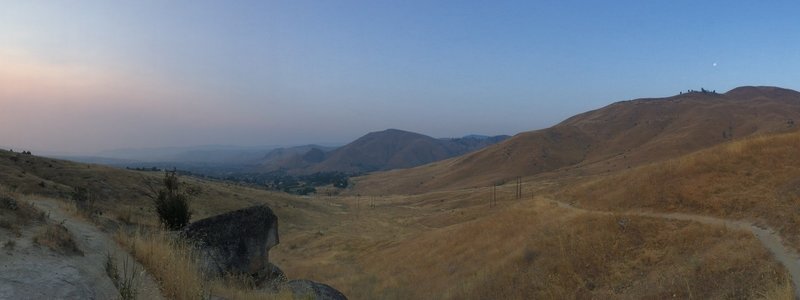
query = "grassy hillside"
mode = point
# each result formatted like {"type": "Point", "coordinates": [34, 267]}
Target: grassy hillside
{"type": "Point", "coordinates": [122, 193]}
{"type": "Point", "coordinates": [440, 246]}
{"type": "Point", "coordinates": [756, 178]}
{"type": "Point", "coordinates": [616, 137]}
{"type": "Point", "coordinates": [453, 245]}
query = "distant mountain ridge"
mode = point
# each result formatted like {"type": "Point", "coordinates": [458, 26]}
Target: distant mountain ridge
{"type": "Point", "coordinates": [291, 158]}
{"type": "Point", "coordinates": [382, 150]}
{"type": "Point", "coordinates": [618, 136]}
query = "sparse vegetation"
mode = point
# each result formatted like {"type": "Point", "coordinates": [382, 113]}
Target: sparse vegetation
{"type": "Point", "coordinates": [84, 202]}
{"type": "Point", "coordinates": [58, 238]}
{"type": "Point", "coordinates": [16, 214]}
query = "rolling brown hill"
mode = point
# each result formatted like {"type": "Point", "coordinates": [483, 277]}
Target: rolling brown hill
{"type": "Point", "coordinates": [619, 136]}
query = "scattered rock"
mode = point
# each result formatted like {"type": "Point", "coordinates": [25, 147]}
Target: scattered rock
{"type": "Point", "coordinates": [237, 242]}
{"type": "Point", "coordinates": [307, 289]}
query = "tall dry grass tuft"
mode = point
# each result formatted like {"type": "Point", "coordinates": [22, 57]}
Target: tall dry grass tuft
{"type": "Point", "coordinates": [175, 265]}
{"type": "Point", "coordinates": [127, 280]}
{"type": "Point", "coordinates": [170, 261]}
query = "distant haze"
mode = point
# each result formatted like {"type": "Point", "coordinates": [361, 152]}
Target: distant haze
{"type": "Point", "coordinates": [86, 76]}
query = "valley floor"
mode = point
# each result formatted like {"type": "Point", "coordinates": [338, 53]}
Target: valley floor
{"type": "Point", "coordinates": [453, 245]}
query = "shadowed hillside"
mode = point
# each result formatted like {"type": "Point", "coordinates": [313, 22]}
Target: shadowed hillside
{"type": "Point", "coordinates": [293, 158]}
{"type": "Point", "coordinates": [619, 136]}
{"type": "Point", "coordinates": [376, 151]}
{"type": "Point", "coordinates": [396, 149]}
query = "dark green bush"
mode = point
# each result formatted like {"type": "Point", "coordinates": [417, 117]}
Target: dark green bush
{"type": "Point", "coordinates": [172, 205]}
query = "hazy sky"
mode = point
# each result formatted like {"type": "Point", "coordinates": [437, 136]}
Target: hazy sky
{"type": "Point", "coordinates": [83, 76]}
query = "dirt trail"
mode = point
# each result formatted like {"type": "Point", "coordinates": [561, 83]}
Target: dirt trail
{"type": "Point", "coordinates": [788, 257]}
{"type": "Point", "coordinates": [33, 272]}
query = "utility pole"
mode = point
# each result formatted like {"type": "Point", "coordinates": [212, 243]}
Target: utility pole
{"type": "Point", "coordinates": [493, 201]}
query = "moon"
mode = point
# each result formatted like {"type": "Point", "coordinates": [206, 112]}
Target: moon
{"type": "Point", "coordinates": [714, 64]}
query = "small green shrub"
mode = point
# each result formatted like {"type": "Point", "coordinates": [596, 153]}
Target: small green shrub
{"type": "Point", "coordinates": [172, 205]}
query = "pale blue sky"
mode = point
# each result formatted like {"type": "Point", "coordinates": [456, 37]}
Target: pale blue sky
{"type": "Point", "coordinates": [83, 76]}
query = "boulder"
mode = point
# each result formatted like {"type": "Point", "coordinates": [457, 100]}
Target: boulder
{"type": "Point", "coordinates": [237, 242]}
{"type": "Point", "coordinates": [307, 289]}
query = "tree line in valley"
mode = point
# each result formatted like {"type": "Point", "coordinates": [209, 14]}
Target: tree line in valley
{"type": "Point", "coordinates": [278, 180]}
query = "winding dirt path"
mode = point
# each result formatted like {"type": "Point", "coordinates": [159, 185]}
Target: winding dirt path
{"type": "Point", "coordinates": [788, 257]}
{"type": "Point", "coordinates": [36, 273]}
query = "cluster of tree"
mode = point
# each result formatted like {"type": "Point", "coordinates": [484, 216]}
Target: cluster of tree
{"type": "Point", "coordinates": [306, 184]}
{"type": "Point", "coordinates": [294, 184]}
{"type": "Point", "coordinates": [702, 90]}
{"type": "Point", "coordinates": [151, 169]}
{"type": "Point", "coordinates": [279, 180]}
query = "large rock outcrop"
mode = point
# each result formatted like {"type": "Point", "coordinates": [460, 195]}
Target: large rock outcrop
{"type": "Point", "coordinates": [237, 242]}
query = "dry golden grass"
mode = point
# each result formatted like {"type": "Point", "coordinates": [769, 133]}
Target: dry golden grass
{"type": "Point", "coordinates": [757, 178]}
{"type": "Point", "coordinates": [174, 264]}
{"type": "Point", "coordinates": [57, 238]}
{"type": "Point", "coordinates": [782, 291]}
{"type": "Point", "coordinates": [170, 262]}
{"type": "Point", "coordinates": [544, 252]}
{"type": "Point", "coordinates": [522, 250]}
